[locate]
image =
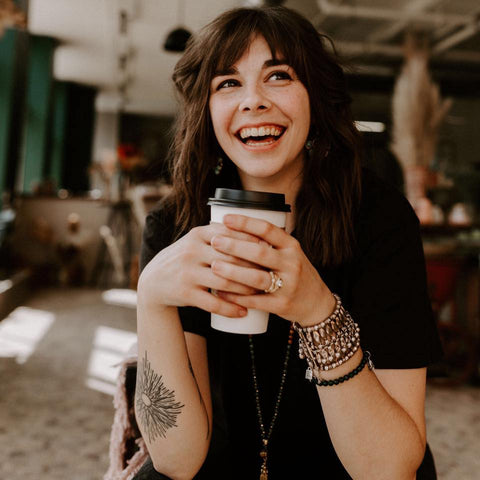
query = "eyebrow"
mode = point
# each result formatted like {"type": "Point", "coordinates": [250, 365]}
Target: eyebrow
{"type": "Point", "coordinates": [273, 62]}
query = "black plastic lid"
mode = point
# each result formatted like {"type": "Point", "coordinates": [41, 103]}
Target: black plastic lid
{"type": "Point", "coordinates": [229, 197]}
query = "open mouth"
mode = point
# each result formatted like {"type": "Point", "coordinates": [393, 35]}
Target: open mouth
{"type": "Point", "coordinates": [265, 135]}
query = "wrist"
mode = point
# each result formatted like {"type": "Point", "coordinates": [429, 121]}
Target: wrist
{"type": "Point", "coordinates": [322, 310]}
{"type": "Point", "coordinates": [148, 299]}
{"type": "Point", "coordinates": [330, 343]}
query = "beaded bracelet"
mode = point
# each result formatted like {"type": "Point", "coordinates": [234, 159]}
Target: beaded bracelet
{"type": "Point", "coordinates": [329, 383]}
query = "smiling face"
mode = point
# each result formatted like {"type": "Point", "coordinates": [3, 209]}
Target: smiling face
{"type": "Point", "coordinates": [260, 113]}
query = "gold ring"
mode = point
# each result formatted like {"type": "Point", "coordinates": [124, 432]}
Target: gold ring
{"type": "Point", "coordinates": [275, 283]}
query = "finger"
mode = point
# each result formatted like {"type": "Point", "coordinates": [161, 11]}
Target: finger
{"type": "Point", "coordinates": [215, 304]}
{"type": "Point", "coordinates": [209, 231]}
{"type": "Point", "coordinates": [272, 234]}
{"type": "Point", "coordinates": [263, 302]}
{"type": "Point", "coordinates": [209, 255]}
{"type": "Point", "coordinates": [252, 277]}
{"type": "Point", "coordinates": [257, 253]}
{"type": "Point", "coordinates": [216, 282]}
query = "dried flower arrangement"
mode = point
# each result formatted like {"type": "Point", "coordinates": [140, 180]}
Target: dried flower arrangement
{"type": "Point", "coordinates": [417, 113]}
{"type": "Point", "coordinates": [417, 109]}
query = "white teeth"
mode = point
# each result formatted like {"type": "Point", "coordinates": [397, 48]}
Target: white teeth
{"type": "Point", "coordinates": [260, 132]}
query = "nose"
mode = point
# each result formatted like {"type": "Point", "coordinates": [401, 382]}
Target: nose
{"type": "Point", "coordinates": [254, 100]}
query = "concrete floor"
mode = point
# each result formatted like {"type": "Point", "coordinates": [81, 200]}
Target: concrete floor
{"type": "Point", "coordinates": [58, 357]}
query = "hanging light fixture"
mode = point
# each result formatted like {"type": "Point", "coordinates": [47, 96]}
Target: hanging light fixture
{"type": "Point", "coordinates": [177, 39]}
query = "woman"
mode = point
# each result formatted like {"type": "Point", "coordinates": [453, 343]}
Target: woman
{"type": "Point", "coordinates": [264, 107]}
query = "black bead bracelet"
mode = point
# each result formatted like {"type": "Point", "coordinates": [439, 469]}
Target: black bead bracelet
{"type": "Point", "coordinates": [348, 376]}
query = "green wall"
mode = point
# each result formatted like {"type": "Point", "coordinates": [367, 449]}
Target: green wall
{"type": "Point", "coordinates": [7, 80]}
{"type": "Point", "coordinates": [57, 139]}
{"type": "Point", "coordinates": [37, 115]}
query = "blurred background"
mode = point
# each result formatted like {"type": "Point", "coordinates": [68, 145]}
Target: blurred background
{"type": "Point", "coordinates": [86, 111]}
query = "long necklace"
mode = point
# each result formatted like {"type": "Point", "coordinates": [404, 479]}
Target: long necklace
{"type": "Point", "coordinates": [266, 435]}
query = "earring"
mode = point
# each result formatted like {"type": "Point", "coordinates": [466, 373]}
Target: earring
{"type": "Point", "coordinates": [219, 166]}
{"type": "Point", "coordinates": [309, 144]}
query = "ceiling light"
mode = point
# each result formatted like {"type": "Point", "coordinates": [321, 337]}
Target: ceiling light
{"type": "Point", "coordinates": [177, 39]}
{"type": "Point", "coordinates": [372, 127]}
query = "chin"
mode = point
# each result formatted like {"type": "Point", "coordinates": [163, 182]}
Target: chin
{"type": "Point", "coordinates": [261, 172]}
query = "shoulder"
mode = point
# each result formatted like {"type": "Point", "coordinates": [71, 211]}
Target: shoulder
{"type": "Point", "coordinates": [383, 207]}
{"type": "Point", "coordinates": [161, 218]}
{"type": "Point", "coordinates": [158, 232]}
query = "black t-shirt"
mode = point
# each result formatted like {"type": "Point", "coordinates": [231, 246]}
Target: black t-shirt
{"type": "Point", "coordinates": [385, 290]}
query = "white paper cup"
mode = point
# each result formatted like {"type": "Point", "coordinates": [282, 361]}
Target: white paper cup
{"type": "Point", "coordinates": [265, 206]}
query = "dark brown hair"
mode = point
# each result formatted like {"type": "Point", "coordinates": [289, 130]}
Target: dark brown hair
{"type": "Point", "coordinates": [331, 185]}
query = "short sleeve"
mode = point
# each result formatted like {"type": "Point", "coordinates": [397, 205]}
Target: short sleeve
{"type": "Point", "coordinates": [389, 296]}
{"type": "Point", "coordinates": [157, 235]}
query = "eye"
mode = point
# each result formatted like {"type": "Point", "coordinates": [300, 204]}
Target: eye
{"type": "Point", "coordinates": [227, 84]}
{"type": "Point", "coordinates": [280, 75]}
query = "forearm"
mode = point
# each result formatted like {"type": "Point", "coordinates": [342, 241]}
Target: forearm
{"type": "Point", "coordinates": [372, 434]}
{"type": "Point", "coordinates": [170, 411]}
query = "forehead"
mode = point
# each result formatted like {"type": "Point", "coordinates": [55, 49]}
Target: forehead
{"type": "Point", "coordinates": [232, 52]}
{"type": "Point", "coordinates": [258, 47]}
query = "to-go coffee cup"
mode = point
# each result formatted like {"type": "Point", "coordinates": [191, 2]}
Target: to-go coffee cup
{"type": "Point", "coordinates": [265, 206]}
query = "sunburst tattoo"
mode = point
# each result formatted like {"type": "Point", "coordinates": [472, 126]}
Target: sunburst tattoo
{"type": "Point", "coordinates": [156, 404]}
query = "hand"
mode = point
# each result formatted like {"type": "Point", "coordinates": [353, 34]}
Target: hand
{"type": "Point", "coordinates": [303, 298]}
{"type": "Point", "coordinates": [180, 275]}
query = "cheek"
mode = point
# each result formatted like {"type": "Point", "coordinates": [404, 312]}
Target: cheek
{"type": "Point", "coordinates": [297, 107]}
{"type": "Point", "coordinates": [304, 103]}
{"type": "Point", "coordinates": [220, 115]}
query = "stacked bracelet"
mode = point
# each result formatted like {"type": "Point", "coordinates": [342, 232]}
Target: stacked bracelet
{"type": "Point", "coordinates": [330, 343]}
{"type": "Point", "coordinates": [329, 383]}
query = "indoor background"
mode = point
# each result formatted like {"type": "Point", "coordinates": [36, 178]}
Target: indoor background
{"type": "Point", "coordinates": [86, 111]}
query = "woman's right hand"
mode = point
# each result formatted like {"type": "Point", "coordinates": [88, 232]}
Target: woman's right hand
{"type": "Point", "coordinates": [181, 275]}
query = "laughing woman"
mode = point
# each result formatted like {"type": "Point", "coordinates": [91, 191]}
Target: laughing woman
{"type": "Point", "coordinates": [264, 107]}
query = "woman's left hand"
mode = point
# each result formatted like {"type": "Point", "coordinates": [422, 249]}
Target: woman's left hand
{"type": "Point", "coordinates": [304, 298]}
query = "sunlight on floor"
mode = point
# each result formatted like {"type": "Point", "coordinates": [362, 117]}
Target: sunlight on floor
{"type": "Point", "coordinates": [123, 297]}
{"type": "Point", "coordinates": [21, 332]}
{"type": "Point", "coordinates": [110, 347]}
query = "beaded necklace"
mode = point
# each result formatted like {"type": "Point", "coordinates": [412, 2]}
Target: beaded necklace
{"type": "Point", "coordinates": [266, 436]}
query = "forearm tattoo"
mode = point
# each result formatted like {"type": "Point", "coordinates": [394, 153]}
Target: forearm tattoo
{"type": "Point", "coordinates": [156, 405]}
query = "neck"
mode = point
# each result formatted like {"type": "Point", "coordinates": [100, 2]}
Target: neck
{"type": "Point", "coordinates": [288, 186]}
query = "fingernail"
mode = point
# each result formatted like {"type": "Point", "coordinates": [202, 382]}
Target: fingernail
{"type": "Point", "coordinates": [227, 219]}
{"type": "Point", "coordinates": [242, 312]}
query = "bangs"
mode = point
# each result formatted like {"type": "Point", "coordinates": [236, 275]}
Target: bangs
{"type": "Point", "coordinates": [235, 38]}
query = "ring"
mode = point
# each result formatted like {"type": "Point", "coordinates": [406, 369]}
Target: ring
{"type": "Point", "coordinates": [275, 283]}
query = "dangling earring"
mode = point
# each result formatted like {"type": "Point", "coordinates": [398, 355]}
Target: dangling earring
{"type": "Point", "coordinates": [219, 166]}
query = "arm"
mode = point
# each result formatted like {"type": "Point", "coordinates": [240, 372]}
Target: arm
{"type": "Point", "coordinates": [172, 406]}
{"type": "Point", "coordinates": [376, 421]}
{"type": "Point", "coordinates": [172, 401]}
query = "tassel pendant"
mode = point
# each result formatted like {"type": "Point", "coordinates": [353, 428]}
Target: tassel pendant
{"type": "Point", "coordinates": [263, 468]}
